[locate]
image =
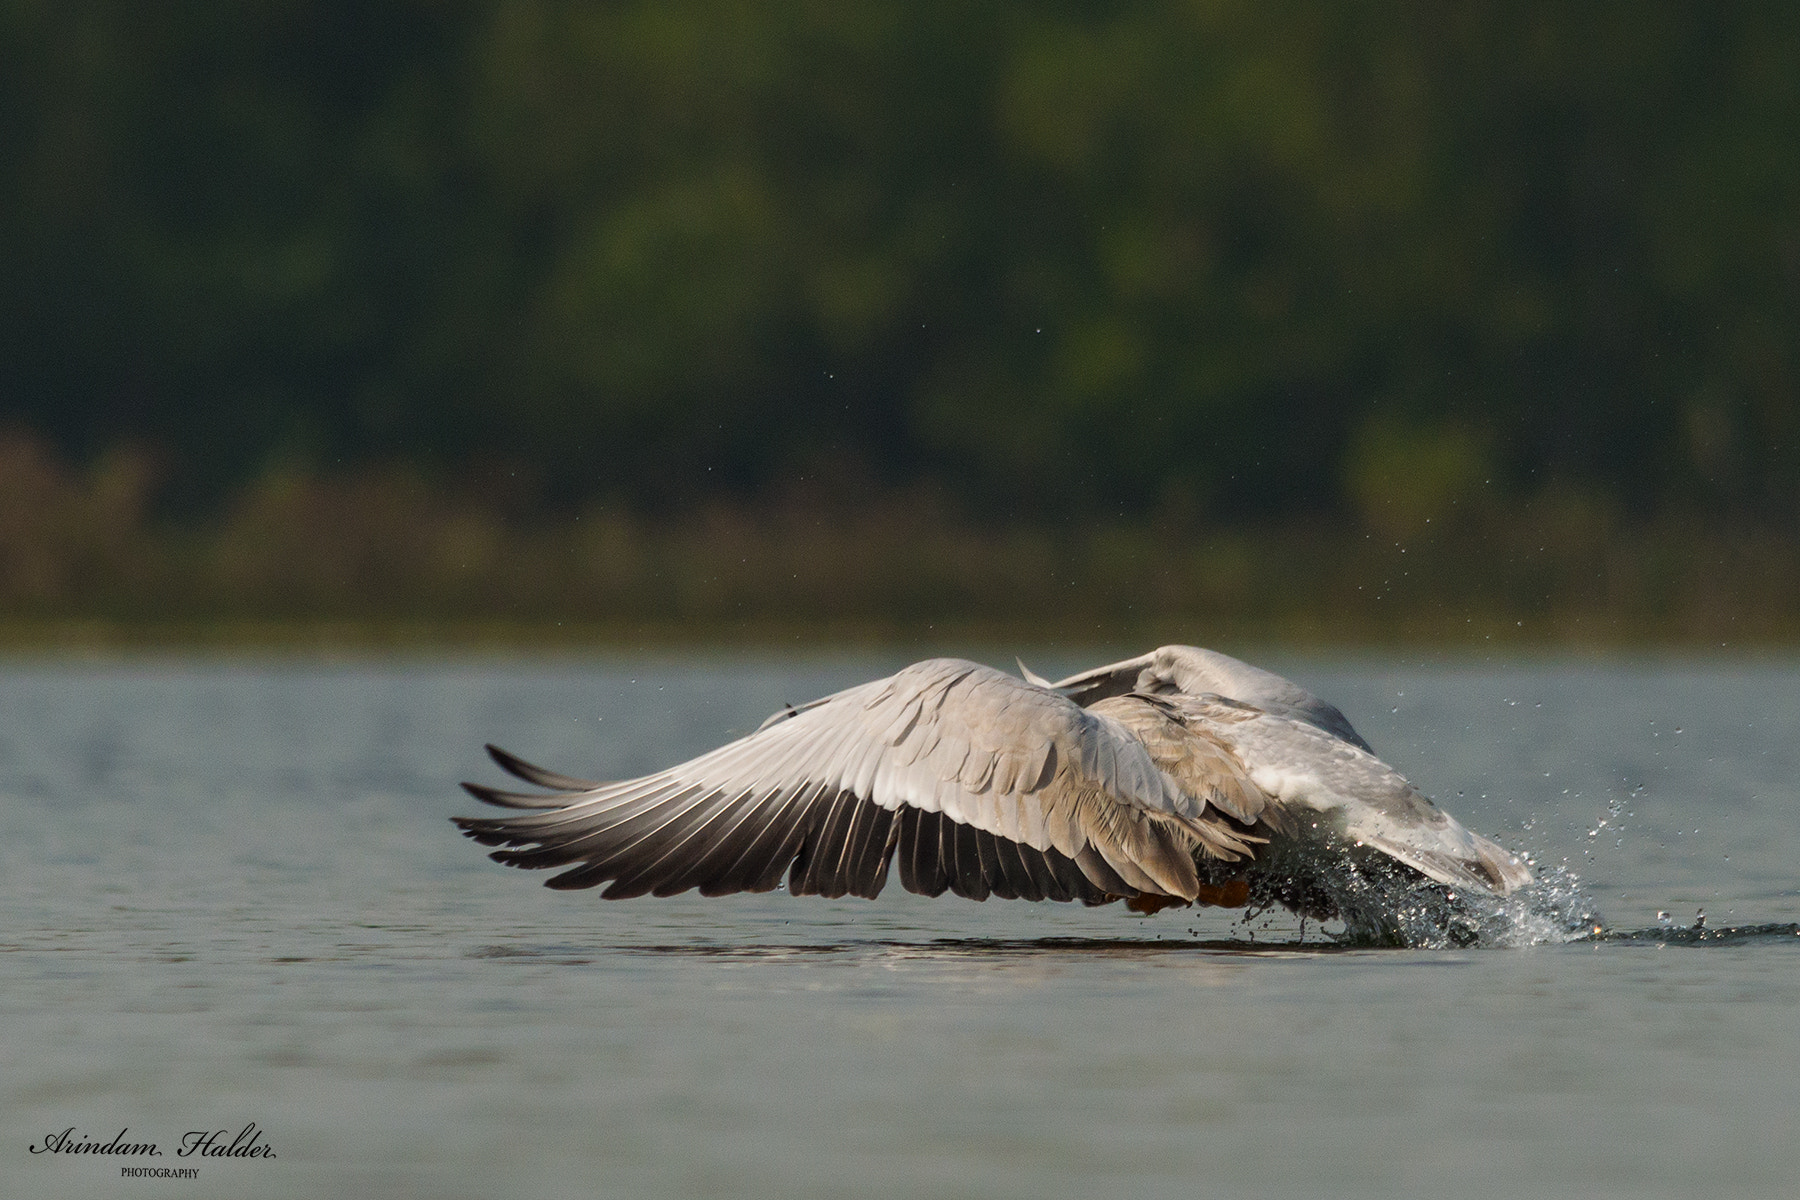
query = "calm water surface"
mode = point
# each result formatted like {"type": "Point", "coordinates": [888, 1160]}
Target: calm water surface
{"type": "Point", "coordinates": [230, 894]}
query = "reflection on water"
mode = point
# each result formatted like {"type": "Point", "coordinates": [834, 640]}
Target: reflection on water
{"type": "Point", "coordinates": [230, 893]}
{"type": "Point", "coordinates": [1778, 933]}
{"type": "Point", "coordinates": [993, 951]}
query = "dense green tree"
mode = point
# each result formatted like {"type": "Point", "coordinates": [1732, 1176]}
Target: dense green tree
{"type": "Point", "coordinates": [1405, 260]}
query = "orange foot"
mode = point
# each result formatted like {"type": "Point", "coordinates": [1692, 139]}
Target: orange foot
{"type": "Point", "coordinates": [1234, 894]}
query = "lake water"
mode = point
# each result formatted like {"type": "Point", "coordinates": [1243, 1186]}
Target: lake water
{"type": "Point", "coordinates": [230, 894]}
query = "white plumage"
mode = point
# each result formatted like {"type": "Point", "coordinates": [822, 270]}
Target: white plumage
{"type": "Point", "coordinates": [1171, 778]}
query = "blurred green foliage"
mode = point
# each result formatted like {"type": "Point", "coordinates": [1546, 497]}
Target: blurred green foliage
{"type": "Point", "coordinates": [382, 555]}
{"type": "Point", "coordinates": [1405, 263]}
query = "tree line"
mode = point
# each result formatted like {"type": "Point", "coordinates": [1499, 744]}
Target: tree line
{"type": "Point", "coordinates": [1406, 263]}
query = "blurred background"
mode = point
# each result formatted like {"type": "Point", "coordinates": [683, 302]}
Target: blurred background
{"type": "Point", "coordinates": [526, 321]}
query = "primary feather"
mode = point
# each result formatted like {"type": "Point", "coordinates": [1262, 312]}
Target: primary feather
{"type": "Point", "coordinates": [1122, 782]}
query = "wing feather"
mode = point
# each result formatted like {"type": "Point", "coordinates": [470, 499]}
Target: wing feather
{"type": "Point", "coordinates": [987, 753]}
{"type": "Point", "coordinates": [730, 837]}
{"type": "Point", "coordinates": [968, 879]}
{"type": "Point", "coordinates": [517, 767]}
{"type": "Point", "coordinates": [810, 874]}
{"type": "Point", "coordinates": [1310, 774]}
{"type": "Point", "coordinates": [934, 860]}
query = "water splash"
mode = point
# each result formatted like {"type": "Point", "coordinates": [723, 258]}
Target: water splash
{"type": "Point", "coordinates": [1412, 912]}
{"type": "Point", "coordinates": [1362, 898]}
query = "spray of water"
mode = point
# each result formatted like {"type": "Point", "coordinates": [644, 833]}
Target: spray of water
{"type": "Point", "coordinates": [1348, 895]}
{"type": "Point", "coordinates": [1362, 898]}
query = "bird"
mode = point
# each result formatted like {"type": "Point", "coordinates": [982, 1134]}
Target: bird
{"type": "Point", "coordinates": [1180, 777]}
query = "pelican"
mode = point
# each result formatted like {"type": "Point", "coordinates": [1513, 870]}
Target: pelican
{"type": "Point", "coordinates": [1182, 776]}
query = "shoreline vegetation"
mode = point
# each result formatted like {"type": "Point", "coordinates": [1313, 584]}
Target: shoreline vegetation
{"type": "Point", "coordinates": [385, 559]}
{"type": "Point", "coordinates": [522, 324]}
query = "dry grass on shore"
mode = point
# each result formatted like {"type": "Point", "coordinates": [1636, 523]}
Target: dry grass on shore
{"type": "Point", "coordinates": [383, 558]}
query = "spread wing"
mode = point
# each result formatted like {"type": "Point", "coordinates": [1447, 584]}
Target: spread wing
{"type": "Point", "coordinates": [978, 782]}
{"type": "Point", "coordinates": [1194, 671]}
{"type": "Point", "coordinates": [1307, 772]}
